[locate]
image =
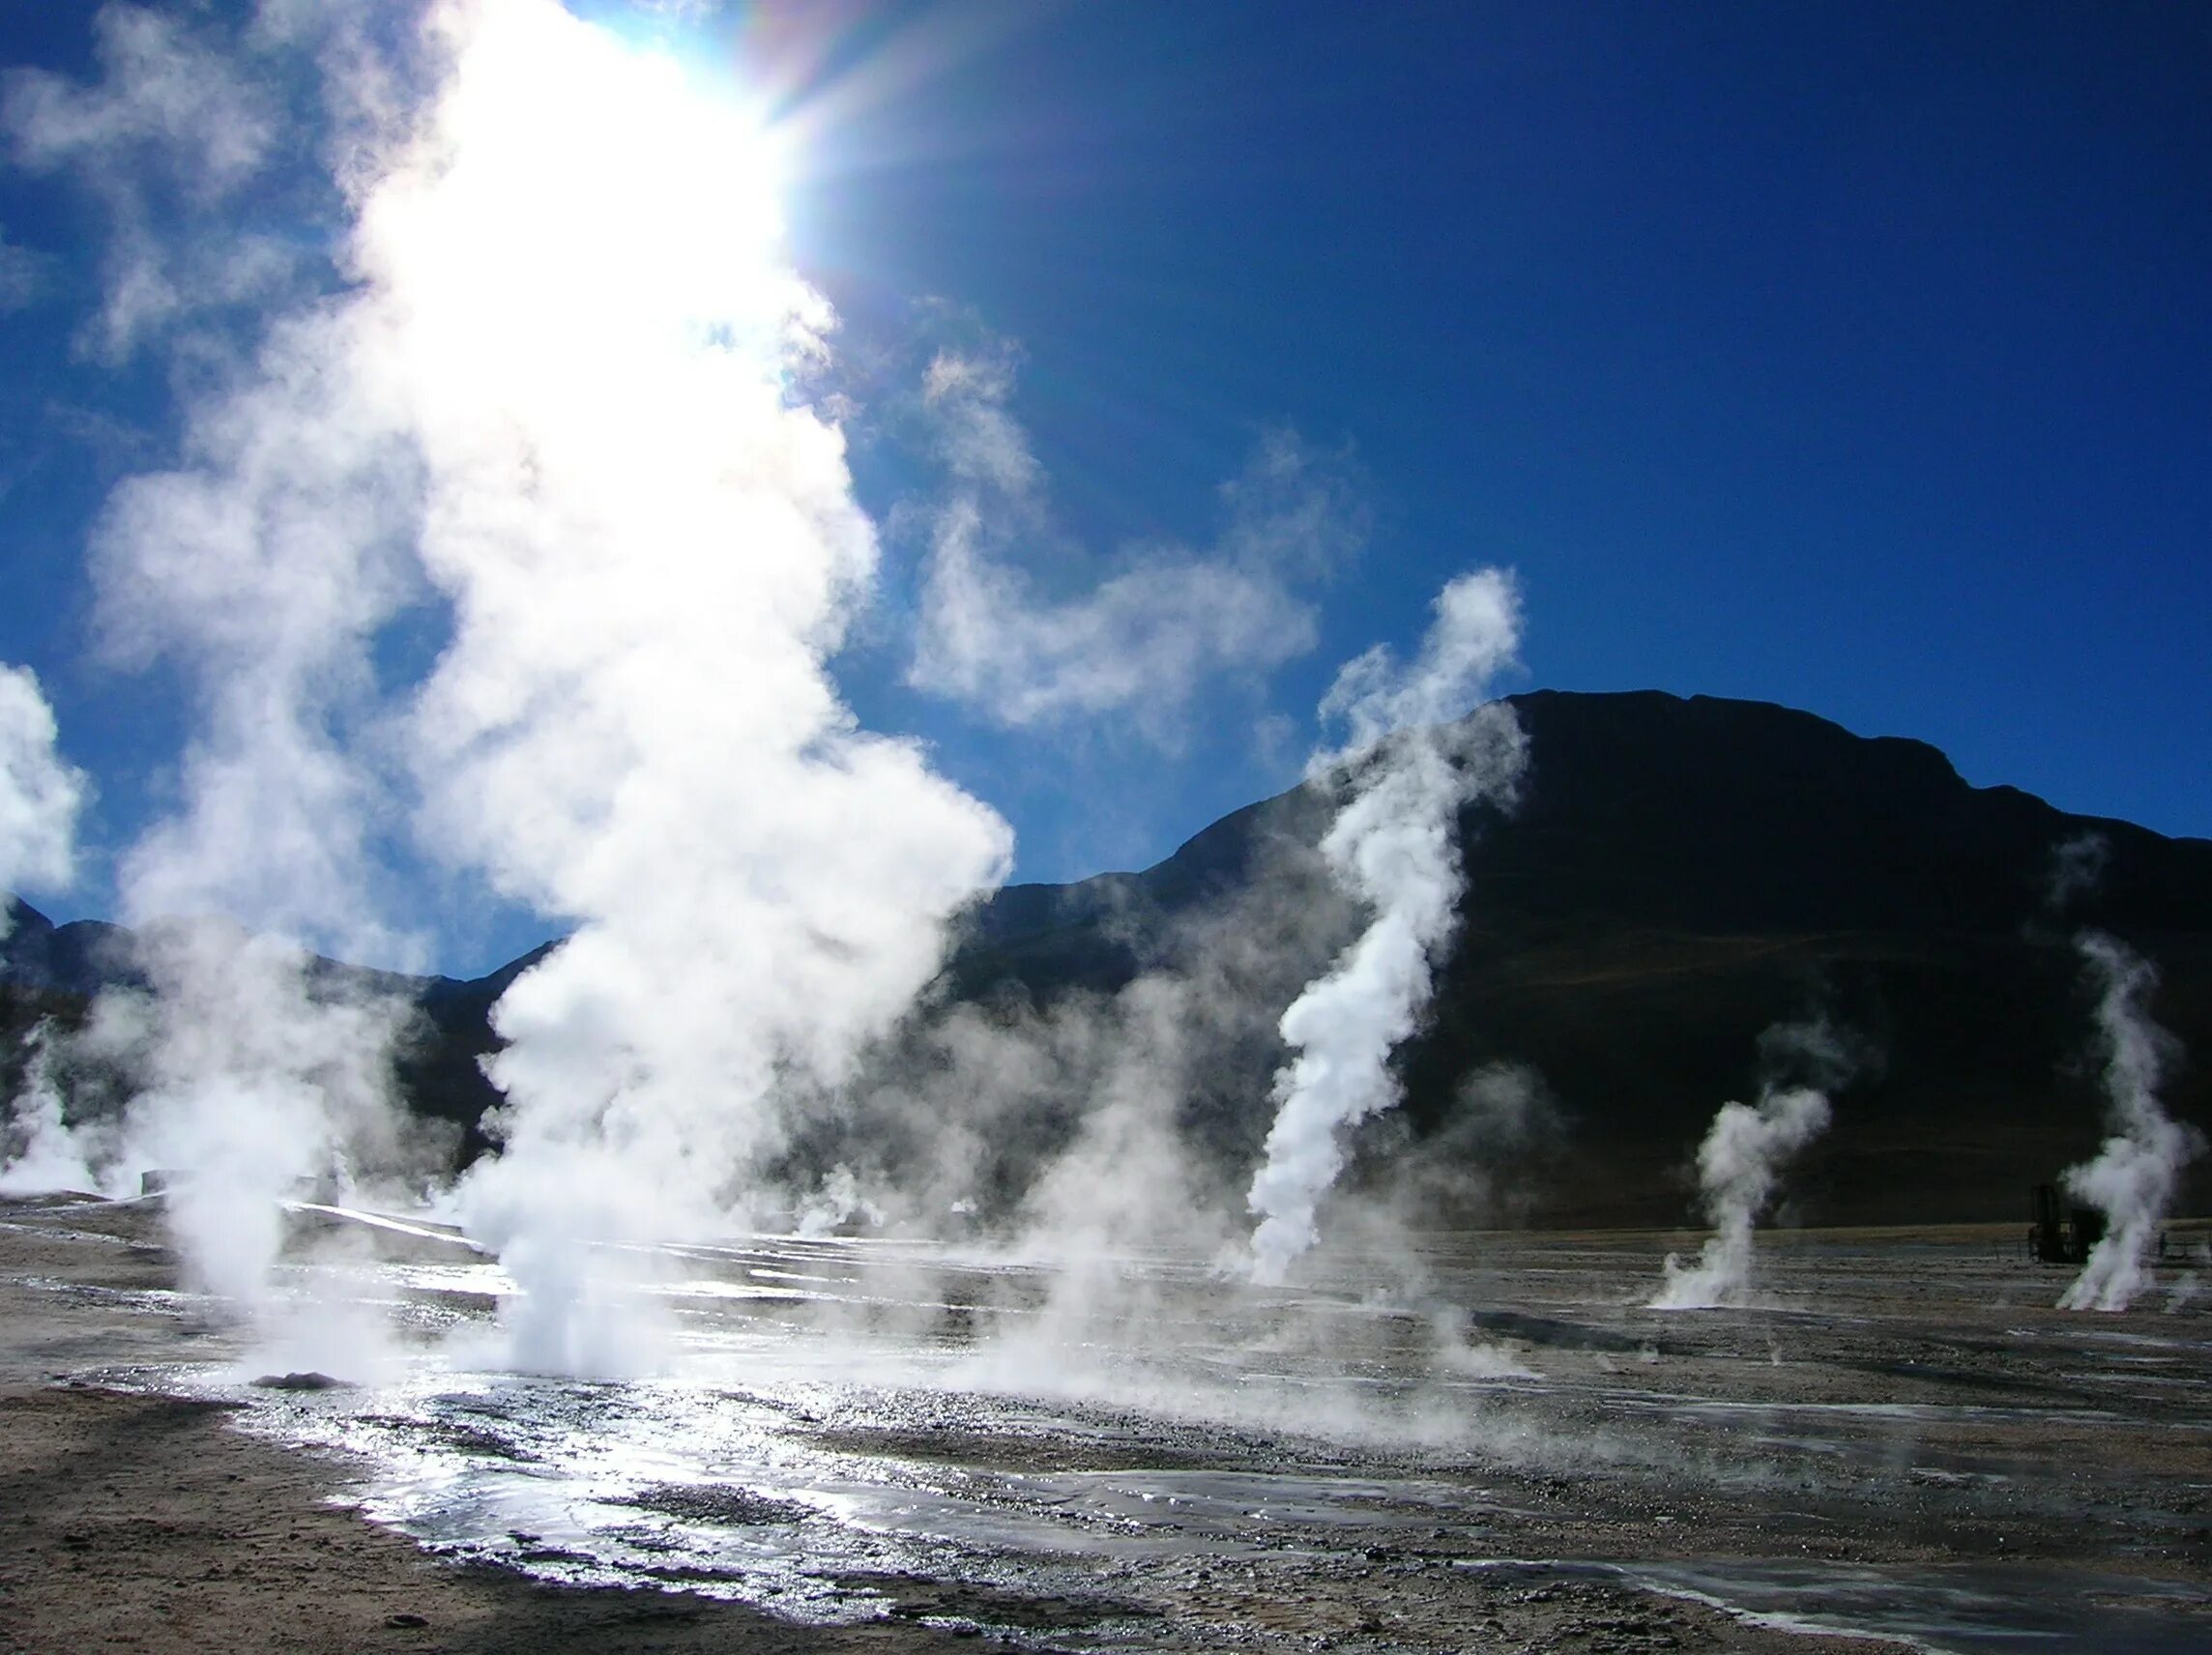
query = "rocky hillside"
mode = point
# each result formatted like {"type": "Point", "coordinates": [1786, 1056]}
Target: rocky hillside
{"type": "Point", "coordinates": [1680, 876]}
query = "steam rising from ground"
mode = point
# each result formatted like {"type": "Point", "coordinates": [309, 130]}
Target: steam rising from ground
{"type": "Point", "coordinates": [2133, 1178]}
{"type": "Point", "coordinates": [557, 391]}
{"type": "Point", "coordinates": [41, 1154]}
{"type": "Point", "coordinates": [40, 798]}
{"type": "Point", "coordinates": [1395, 846]}
{"type": "Point", "coordinates": [258, 571]}
{"type": "Point", "coordinates": [650, 551]}
{"type": "Point", "coordinates": [1096, 1127]}
{"type": "Point", "coordinates": [1741, 1161]}
{"type": "Point", "coordinates": [261, 570]}
{"type": "Point", "coordinates": [256, 1085]}
{"type": "Point", "coordinates": [555, 401]}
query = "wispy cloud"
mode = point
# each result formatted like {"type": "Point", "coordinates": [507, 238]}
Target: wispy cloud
{"type": "Point", "coordinates": [682, 10]}
{"type": "Point", "coordinates": [1167, 620]}
{"type": "Point", "coordinates": [173, 127]}
{"type": "Point", "coordinates": [24, 274]}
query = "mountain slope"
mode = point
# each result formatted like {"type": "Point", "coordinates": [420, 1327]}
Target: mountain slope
{"type": "Point", "coordinates": [1679, 876]}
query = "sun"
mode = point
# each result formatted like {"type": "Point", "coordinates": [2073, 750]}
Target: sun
{"type": "Point", "coordinates": [583, 201]}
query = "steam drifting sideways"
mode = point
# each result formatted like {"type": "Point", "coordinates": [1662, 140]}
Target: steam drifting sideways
{"type": "Point", "coordinates": [2132, 1179]}
{"type": "Point", "coordinates": [1741, 1161]}
{"type": "Point", "coordinates": [1394, 845]}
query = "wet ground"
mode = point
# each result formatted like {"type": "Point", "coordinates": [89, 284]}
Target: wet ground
{"type": "Point", "coordinates": [1485, 1442]}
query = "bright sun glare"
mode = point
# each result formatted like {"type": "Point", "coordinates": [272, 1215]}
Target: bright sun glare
{"type": "Point", "coordinates": [612, 173]}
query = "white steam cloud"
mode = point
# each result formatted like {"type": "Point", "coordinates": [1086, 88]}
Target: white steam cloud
{"type": "Point", "coordinates": [1394, 846]}
{"type": "Point", "coordinates": [557, 391]}
{"type": "Point", "coordinates": [259, 570]}
{"type": "Point", "coordinates": [1739, 1166]}
{"type": "Point", "coordinates": [1741, 1162]}
{"type": "Point", "coordinates": [263, 569]}
{"type": "Point", "coordinates": [2132, 1179]}
{"type": "Point", "coordinates": [1142, 641]}
{"type": "Point", "coordinates": [650, 552]}
{"type": "Point", "coordinates": [259, 1078]}
{"type": "Point", "coordinates": [39, 793]}
{"type": "Point", "coordinates": [39, 798]}
{"type": "Point", "coordinates": [44, 1154]}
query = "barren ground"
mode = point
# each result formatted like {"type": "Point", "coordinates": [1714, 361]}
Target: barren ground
{"type": "Point", "coordinates": [1934, 1425]}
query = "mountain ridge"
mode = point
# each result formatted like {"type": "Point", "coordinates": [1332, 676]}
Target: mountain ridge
{"type": "Point", "coordinates": [1681, 873]}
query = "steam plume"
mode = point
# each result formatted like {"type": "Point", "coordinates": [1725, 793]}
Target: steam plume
{"type": "Point", "coordinates": [558, 389]}
{"type": "Point", "coordinates": [39, 793]}
{"type": "Point", "coordinates": [40, 798]}
{"type": "Point", "coordinates": [650, 551]}
{"type": "Point", "coordinates": [1742, 1159]}
{"type": "Point", "coordinates": [2132, 1179]}
{"type": "Point", "coordinates": [259, 570]}
{"type": "Point", "coordinates": [1395, 846]}
{"type": "Point", "coordinates": [42, 1154]}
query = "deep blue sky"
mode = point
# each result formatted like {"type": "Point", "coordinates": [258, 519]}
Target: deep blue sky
{"type": "Point", "coordinates": [1857, 356]}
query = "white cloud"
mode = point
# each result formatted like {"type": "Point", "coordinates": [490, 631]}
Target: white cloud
{"type": "Point", "coordinates": [1144, 640]}
{"type": "Point", "coordinates": [23, 275]}
{"type": "Point", "coordinates": [682, 11]}
{"type": "Point", "coordinates": [979, 441]}
{"type": "Point", "coordinates": [163, 90]}
{"type": "Point", "coordinates": [1291, 512]}
{"type": "Point", "coordinates": [173, 124]}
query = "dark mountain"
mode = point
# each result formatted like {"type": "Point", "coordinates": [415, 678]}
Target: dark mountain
{"type": "Point", "coordinates": [1680, 876]}
{"type": "Point", "coordinates": [441, 1071]}
{"type": "Point", "coordinates": [79, 958]}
